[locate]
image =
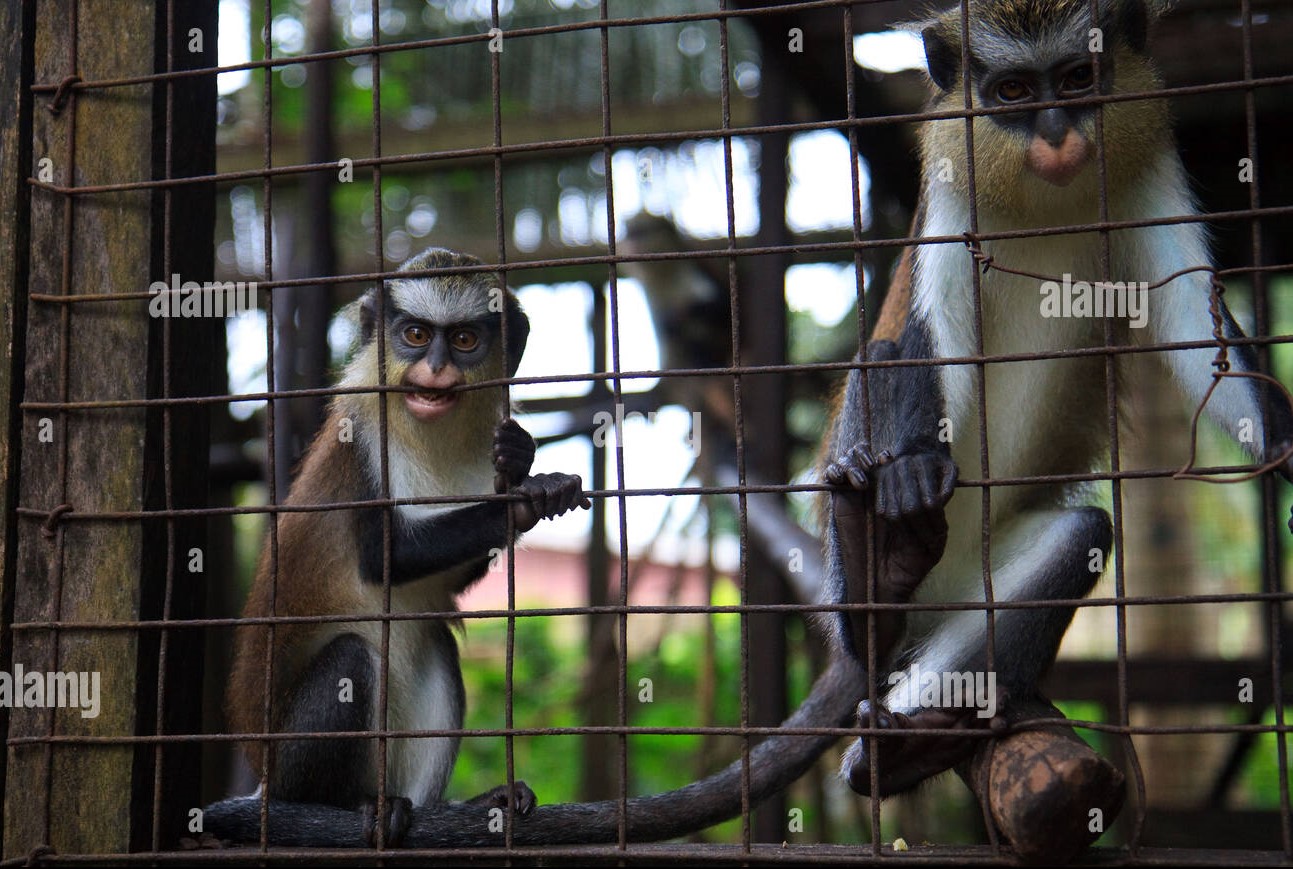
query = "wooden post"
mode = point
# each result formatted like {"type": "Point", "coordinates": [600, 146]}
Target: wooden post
{"type": "Point", "coordinates": [70, 566]}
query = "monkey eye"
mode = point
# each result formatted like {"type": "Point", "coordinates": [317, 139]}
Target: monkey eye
{"type": "Point", "coordinates": [417, 335]}
{"type": "Point", "coordinates": [464, 340]}
{"type": "Point", "coordinates": [1012, 91]}
{"type": "Point", "coordinates": [1078, 80]}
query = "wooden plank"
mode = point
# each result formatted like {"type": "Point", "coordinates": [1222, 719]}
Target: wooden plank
{"type": "Point", "coordinates": [99, 798]}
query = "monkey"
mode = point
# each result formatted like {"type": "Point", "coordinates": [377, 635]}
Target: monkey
{"type": "Point", "coordinates": [904, 435]}
{"type": "Point", "coordinates": [689, 302]}
{"type": "Point", "coordinates": [440, 333]}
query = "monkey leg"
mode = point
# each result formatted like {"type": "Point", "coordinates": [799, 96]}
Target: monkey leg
{"type": "Point", "coordinates": [1047, 556]}
{"type": "Point", "coordinates": [337, 772]}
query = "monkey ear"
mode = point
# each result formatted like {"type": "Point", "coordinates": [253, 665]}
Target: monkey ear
{"type": "Point", "coordinates": [368, 316]}
{"type": "Point", "coordinates": [1133, 18]}
{"type": "Point", "coordinates": [518, 332]}
{"type": "Point", "coordinates": [942, 55]}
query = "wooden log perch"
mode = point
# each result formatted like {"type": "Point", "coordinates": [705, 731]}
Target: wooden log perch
{"type": "Point", "coordinates": [1044, 786]}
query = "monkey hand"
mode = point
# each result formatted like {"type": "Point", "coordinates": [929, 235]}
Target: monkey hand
{"type": "Point", "coordinates": [909, 493]}
{"type": "Point", "coordinates": [513, 455]}
{"type": "Point", "coordinates": [521, 799]}
{"type": "Point", "coordinates": [904, 486]}
{"type": "Point", "coordinates": [547, 496]}
{"type": "Point", "coordinates": [904, 760]}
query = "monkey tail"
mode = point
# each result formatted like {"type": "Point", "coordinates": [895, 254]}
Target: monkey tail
{"type": "Point", "coordinates": [774, 763]}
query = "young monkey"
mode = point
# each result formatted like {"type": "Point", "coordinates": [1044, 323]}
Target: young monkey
{"type": "Point", "coordinates": [441, 333]}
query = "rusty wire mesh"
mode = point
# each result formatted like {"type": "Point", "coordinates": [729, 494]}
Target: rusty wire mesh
{"type": "Point", "coordinates": [54, 515]}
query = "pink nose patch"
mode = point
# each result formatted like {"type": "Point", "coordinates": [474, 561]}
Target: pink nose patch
{"type": "Point", "coordinates": [1059, 165]}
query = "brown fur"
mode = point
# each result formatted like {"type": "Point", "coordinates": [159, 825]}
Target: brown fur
{"type": "Point", "coordinates": [311, 546]}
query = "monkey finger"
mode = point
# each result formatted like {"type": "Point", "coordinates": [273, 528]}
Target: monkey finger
{"type": "Point", "coordinates": [563, 495]}
{"type": "Point", "coordinates": [538, 497]}
{"type": "Point", "coordinates": [580, 497]}
{"type": "Point", "coordinates": [509, 436]}
{"type": "Point", "coordinates": [835, 474]}
{"type": "Point", "coordinates": [571, 492]}
{"type": "Point", "coordinates": [858, 480]}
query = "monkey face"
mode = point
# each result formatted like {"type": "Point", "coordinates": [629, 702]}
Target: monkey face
{"type": "Point", "coordinates": [438, 359]}
{"type": "Point", "coordinates": [1037, 59]}
{"type": "Point", "coordinates": [1058, 146]}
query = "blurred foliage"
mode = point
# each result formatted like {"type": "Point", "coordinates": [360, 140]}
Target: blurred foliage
{"type": "Point", "coordinates": [548, 670]}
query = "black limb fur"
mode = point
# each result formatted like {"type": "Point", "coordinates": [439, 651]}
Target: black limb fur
{"type": "Point", "coordinates": [332, 771]}
{"type": "Point", "coordinates": [1026, 641]}
{"type": "Point", "coordinates": [889, 459]}
{"type": "Point", "coordinates": [774, 763]}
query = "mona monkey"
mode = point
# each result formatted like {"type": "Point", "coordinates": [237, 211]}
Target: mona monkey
{"type": "Point", "coordinates": [441, 333]}
{"type": "Point", "coordinates": [903, 434]}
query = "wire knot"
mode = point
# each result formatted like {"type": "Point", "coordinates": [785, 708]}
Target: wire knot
{"type": "Point", "coordinates": [50, 528]}
{"type": "Point", "coordinates": [981, 256]}
{"type": "Point", "coordinates": [63, 93]}
{"type": "Point", "coordinates": [35, 855]}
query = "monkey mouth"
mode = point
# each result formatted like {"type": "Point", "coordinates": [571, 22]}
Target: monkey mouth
{"type": "Point", "coordinates": [430, 404]}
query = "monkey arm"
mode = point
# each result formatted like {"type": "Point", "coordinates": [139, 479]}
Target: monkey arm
{"type": "Point", "coordinates": [426, 546]}
{"type": "Point", "coordinates": [890, 460]}
{"type": "Point", "coordinates": [774, 763]}
{"type": "Point", "coordinates": [420, 547]}
{"type": "Point", "coordinates": [1179, 312]}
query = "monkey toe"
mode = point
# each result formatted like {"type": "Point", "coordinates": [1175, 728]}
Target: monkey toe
{"type": "Point", "coordinates": [519, 797]}
{"type": "Point", "coordinates": [854, 468]}
{"type": "Point", "coordinates": [904, 757]}
{"type": "Point", "coordinates": [399, 817]}
{"type": "Point", "coordinates": [525, 798]}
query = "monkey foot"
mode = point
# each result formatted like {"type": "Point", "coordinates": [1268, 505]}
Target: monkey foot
{"type": "Point", "coordinates": [399, 815]}
{"type": "Point", "coordinates": [910, 528]}
{"type": "Point", "coordinates": [519, 796]}
{"type": "Point", "coordinates": [909, 493]}
{"type": "Point", "coordinates": [905, 760]}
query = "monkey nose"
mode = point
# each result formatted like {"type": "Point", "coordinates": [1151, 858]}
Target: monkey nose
{"type": "Point", "coordinates": [1052, 126]}
{"type": "Point", "coordinates": [1059, 164]}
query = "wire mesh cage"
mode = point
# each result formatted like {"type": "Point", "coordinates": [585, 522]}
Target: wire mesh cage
{"type": "Point", "coordinates": [248, 552]}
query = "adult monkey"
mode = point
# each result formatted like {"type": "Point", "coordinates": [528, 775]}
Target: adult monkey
{"type": "Point", "coordinates": [1033, 170]}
